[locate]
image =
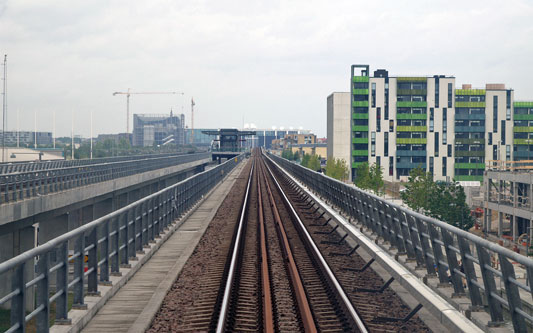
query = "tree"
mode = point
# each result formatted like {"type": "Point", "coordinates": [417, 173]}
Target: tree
{"type": "Point", "coordinates": [419, 185]}
{"type": "Point", "coordinates": [447, 202]}
{"type": "Point", "coordinates": [314, 163]}
{"type": "Point", "coordinates": [305, 159]}
{"type": "Point", "coordinates": [362, 178]}
{"type": "Point", "coordinates": [376, 178]}
{"type": "Point", "coordinates": [337, 168]}
{"type": "Point", "coordinates": [296, 156]}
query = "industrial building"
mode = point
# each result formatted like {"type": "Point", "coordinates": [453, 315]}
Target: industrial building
{"type": "Point", "coordinates": [151, 129]}
{"type": "Point", "coordinates": [404, 122]}
{"type": "Point", "coordinates": [26, 138]}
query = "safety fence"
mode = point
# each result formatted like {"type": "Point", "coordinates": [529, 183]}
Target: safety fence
{"type": "Point", "coordinates": [451, 254]}
{"type": "Point", "coordinates": [22, 185]}
{"type": "Point", "coordinates": [97, 250]}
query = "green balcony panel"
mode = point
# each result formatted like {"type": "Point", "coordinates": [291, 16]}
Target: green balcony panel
{"type": "Point", "coordinates": [360, 79]}
{"type": "Point", "coordinates": [470, 141]}
{"type": "Point", "coordinates": [360, 116]}
{"type": "Point", "coordinates": [469, 104]}
{"type": "Point", "coordinates": [360, 91]}
{"type": "Point", "coordinates": [469, 116]}
{"type": "Point", "coordinates": [523, 104]}
{"type": "Point", "coordinates": [468, 178]}
{"type": "Point", "coordinates": [470, 153]}
{"type": "Point", "coordinates": [522, 129]}
{"type": "Point", "coordinates": [522, 116]}
{"type": "Point", "coordinates": [411, 128]}
{"type": "Point", "coordinates": [356, 164]}
{"type": "Point", "coordinates": [360, 140]}
{"type": "Point", "coordinates": [359, 152]}
{"type": "Point", "coordinates": [523, 141]}
{"type": "Point", "coordinates": [411, 141]}
{"type": "Point", "coordinates": [470, 92]}
{"type": "Point", "coordinates": [411, 104]}
{"type": "Point", "coordinates": [411, 79]}
{"type": "Point", "coordinates": [360, 128]}
{"type": "Point", "coordinates": [411, 116]}
{"type": "Point", "coordinates": [469, 165]}
{"type": "Point", "coordinates": [418, 92]}
{"type": "Point", "coordinates": [360, 104]}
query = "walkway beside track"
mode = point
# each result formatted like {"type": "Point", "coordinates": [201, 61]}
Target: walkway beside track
{"type": "Point", "coordinates": [132, 308]}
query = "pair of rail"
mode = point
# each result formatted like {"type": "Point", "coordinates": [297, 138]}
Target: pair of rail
{"type": "Point", "coordinates": [100, 248]}
{"type": "Point", "coordinates": [447, 252]}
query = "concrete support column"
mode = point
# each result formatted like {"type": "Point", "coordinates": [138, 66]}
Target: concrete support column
{"type": "Point", "coordinates": [485, 220]}
{"type": "Point", "coordinates": [500, 224]}
{"type": "Point", "coordinates": [514, 228]}
{"type": "Point", "coordinates": [87, 214]}
{"type": "Point", "coordinates": [52, 228]}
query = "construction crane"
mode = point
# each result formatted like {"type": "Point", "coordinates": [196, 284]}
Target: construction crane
{"type": "Point", "coordinates": [129, 93]}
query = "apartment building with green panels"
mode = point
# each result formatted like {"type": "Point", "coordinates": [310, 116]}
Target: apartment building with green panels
{"type": "Point", "coordinates": [403, 122]}
{"type": "Point", "coordinates": [523, 131]}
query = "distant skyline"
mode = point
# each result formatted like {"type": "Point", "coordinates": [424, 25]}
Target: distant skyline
{"type": "Point", "coordinates": [271, 63]}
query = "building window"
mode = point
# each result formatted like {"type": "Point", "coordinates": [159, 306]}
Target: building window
{"type": "Point", "coordinates": [373, 94]}
{"type": "Point", "coordinates": [391, 165]}
{"type": "Point", "coordinates": [378, 119]}
{"type": "Point", "coordinates": [391, 125]}
{"type": "Point", "coordinates": [495, 114]}
{"type": "Point", "coordinates": [444, 166]}
{"type": "Point", "coordinates": [508, 104]}
{"type": "Point", "coordinates": [450, 95]}
{"type": "Point", "coordinates": [378, 161]}
{"type": "Point", "coordinates": [508, 152]}
{"type": "Point", "coordinates": [373, 144]}
{"type": "Point", "coordinates": [436, 144]}
{"type": "Point", "coordinates": [449, 150]}
{"type": "Point", "coordinates": [490, 138]}
{"type": "Point", "coordinates": [503, 132]}
{"type": "Point", "coordinates": [444, 138]}
{"type": "Point", "coordinates": [431, 164]}
{"type": "Point", "coordinates": [386, 143]}
{"type": "Point", "coordinates": [431, 118]}
{"type": "Point", "coordinates": [436, 92]}
{"type": "Point", "coordinates": [494, 152]}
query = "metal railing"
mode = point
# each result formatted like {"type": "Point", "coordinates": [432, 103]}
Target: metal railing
{"type": "Point", "coordinates": [21, 185]}
{"type": "Point", "coordinates": [13, 167]}
{"type": "Point", "coordinates": [449, 253]}
{"type": "Point", "coordinates": [108, 242]}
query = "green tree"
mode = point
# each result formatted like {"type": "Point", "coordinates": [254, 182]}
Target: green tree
{"type": "Point", "coordinates": [419, 185]}
{"type": "Point", "coordinates": [295, 156]}
{"type": "Point", "coordinates": [314, 163]}
{"type": "Point", "coordinates": [447, 202]}
{"type": "Point", "coordinates": [362, 178]}
{"type": "Point", "coordinates": [376, 178]}
{"type": "Point", "coordinates": [305, 159]}
{"type": "Point", "coordinates": [337, 168]}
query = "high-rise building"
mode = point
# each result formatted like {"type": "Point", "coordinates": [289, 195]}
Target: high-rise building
{"type": "Point", "coordinates": [403, 122]}
{"type": "Point", "coordinates": [338, 131]}
{"type": "Point", "coordinates": [151, 129]}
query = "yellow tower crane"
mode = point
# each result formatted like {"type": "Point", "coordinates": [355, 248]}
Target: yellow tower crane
{"type": "Point", "coordinates": [128, 93]}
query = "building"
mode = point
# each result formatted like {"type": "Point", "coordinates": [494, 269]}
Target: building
{"type": "Point", "coordinates": [149, 130]}
{"type": "Point", "coordinates": [403, 122]}
{"type": "Point", "coordinates": [26, 138]}
{"type": "Point", "coordinates": [338, 123]}
{"type": "Point", "coordinates": [319, 149]}
{"type": "Point", "coordinates": [264, 137]}
{"type": "Point", "coordinates": [115, 137]}
{"type": "Point", "coordinates": [200, 139]}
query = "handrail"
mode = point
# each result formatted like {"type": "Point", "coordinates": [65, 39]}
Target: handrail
{"type": "Point", "coordinates": [433, 244]}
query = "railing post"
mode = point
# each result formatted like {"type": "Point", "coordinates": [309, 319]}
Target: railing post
{"type": "Point", "coordinates": [62, 285]}
{"type": "Point", "coordinates": [495, 307]}
{"type": "Point", "coordinates": [468, 267]}
{"type": "Point", "coordinates": [18, 302]}
{"type": "Point", "coordinates": [424, 243]}
{"type": "Point", "coordinates": [437, 254]}
{"type": "Point", "coordinates": [115, 246]}
{"type": "Point", "coordinates": [42, 318]}
{"type": "Point", "coordinates": [79, 265]}
{"type": "Point", "coordinates": [137, 230]}
{"type": "Point", "coordinates": [513, 297]}
{"type": "Point", "coordinates": [92, 263]}
{"type": "Point", "coordinates": [104, 254]}
{"type": "Point", "coordinates": [451, 256]}
{"type": "Point", "coordinates": [415, 241]}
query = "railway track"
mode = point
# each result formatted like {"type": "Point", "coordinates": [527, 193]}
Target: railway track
{"type": "Point", "coordinates": [280, 275]}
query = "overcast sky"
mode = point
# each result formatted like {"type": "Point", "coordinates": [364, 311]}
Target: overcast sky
{"type": "Point", "coordinates": [271, 63]}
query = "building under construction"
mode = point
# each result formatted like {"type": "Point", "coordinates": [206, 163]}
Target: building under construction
{"type": "Point", "coordinates": [153, 129]}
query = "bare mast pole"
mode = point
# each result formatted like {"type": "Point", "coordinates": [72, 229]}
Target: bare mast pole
{"type": "Point", "coordinates": [4, 110]}
{"type": "Point", "coordinates": [192, 121]}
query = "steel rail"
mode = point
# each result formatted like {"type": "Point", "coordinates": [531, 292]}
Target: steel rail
{"type": "Point", "coordinates": [268, 311]}
{"type": "Point", "coordinates": [301, 297]}
{"type": "Point", "coordinates": [224, 308]}
{"type": "Point", "coordinates": [356, 319]}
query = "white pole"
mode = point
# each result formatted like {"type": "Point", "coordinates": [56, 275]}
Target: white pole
{"type": "Point", "coordinates": [91, 134]}
{"type": "Point", "coordinates": [18, 128]}
{"type": "Point", "coordinates": [35, 129]}
{"type": "Point", "coordinates": [54, 129]}
{"type": "Point", "coordinates": [72, 136]}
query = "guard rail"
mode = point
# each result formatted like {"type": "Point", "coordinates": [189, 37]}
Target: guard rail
{"type": "Point", "coordinates": [441, 249]}
{"type": "Point", "coordinates": [108, 242]}
{"type": "Point", "coordinates": [22, 185]}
